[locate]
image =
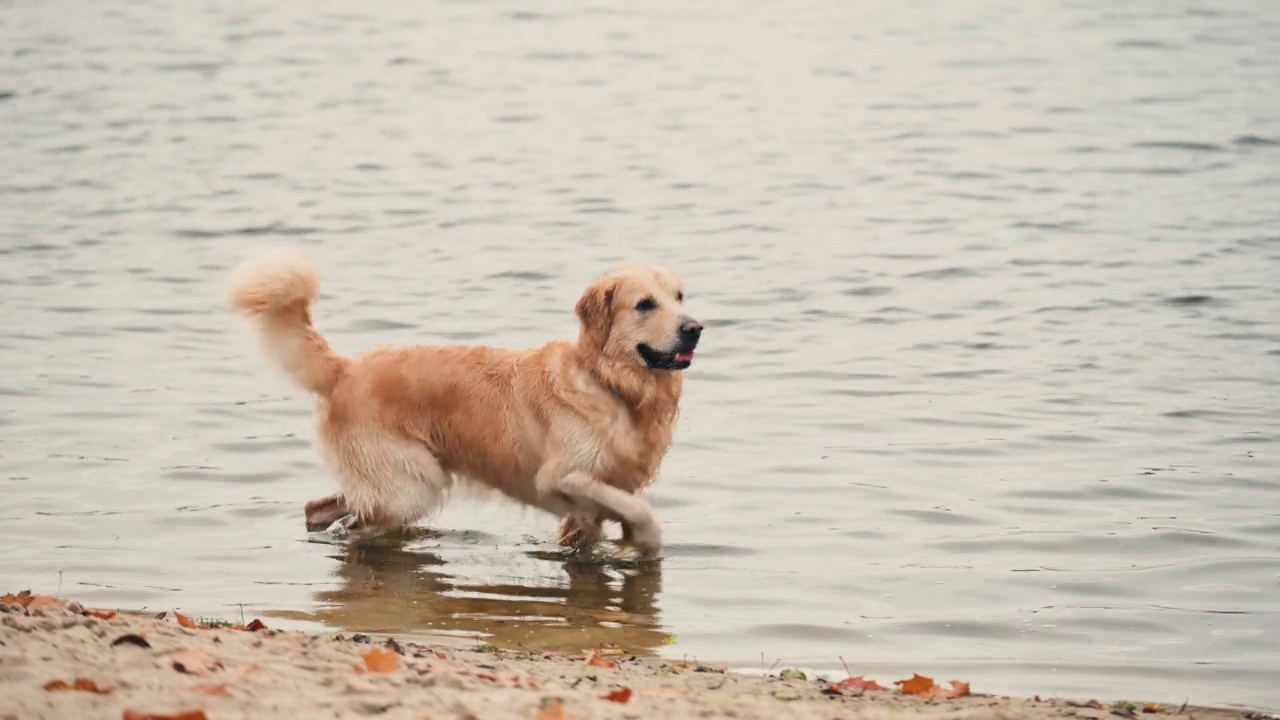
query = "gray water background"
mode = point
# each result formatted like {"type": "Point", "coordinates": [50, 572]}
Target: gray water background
{"type": "Point", "coordinates": [991, 376]}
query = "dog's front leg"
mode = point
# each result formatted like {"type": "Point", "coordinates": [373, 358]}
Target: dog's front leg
{"type": "Point", "coordinates": [639, 524]}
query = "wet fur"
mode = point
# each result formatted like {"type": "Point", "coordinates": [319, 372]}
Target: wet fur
{"type": "Point", "coordinates": [574, 427]}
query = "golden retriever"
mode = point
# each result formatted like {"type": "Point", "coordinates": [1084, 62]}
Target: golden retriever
{"type": "Point", "coordinates": [576, 428]}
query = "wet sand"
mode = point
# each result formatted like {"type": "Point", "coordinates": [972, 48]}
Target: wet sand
{"type": "Point", "coordinates": [59, 660]}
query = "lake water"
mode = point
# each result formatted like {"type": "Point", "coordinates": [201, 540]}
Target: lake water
{"type": "Point", "coordinates": [991, 380]}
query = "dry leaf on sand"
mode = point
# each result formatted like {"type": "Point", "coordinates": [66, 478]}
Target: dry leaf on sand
{"type": "Point", "coordinates": [596, 660]}
{"type": "Point", "coordinates": [192, 662]}
{"type": "Point", "coordinates": [31, 602]}
{"type": "Point", "coordinates": [381, 661]}
{"type": "Point", "coordinates": [179, 715]}
{"type": "Point", "coordinates": [131, 639]}
{"type": "Point", "coordinates": [185, 621]}
{"type": "Point", "coordinates": [926, 688]}
{"type": "Point", "coordinates": [210, 689]}
{"type": "Point", "coordinates": [858, 683]}
{"type": "Point", "coordinates": [81, 684]}
{"type": "Point", "coordinates": [619, 696]}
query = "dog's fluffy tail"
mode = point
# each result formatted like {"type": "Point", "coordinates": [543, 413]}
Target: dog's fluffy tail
{"type": "Point", "coordinates": [277, 290]}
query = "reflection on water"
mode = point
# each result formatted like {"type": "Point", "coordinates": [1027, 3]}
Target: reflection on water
{"type": "Point", "coordinates": [387, 586]}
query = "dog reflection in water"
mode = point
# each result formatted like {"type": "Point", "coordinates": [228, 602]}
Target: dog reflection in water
{"type": "Point", "coordinates": [392, 589]}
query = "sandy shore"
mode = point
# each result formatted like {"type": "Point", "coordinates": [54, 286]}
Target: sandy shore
{"type": "Point", "coordinates": [60, 660]}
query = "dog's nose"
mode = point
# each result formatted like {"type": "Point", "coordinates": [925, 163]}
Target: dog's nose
{"type": "Point", "coordinates": [690, 329]}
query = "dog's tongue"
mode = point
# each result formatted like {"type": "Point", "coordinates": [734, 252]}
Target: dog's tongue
{"type": "Point", "coordinates": [685, 356]}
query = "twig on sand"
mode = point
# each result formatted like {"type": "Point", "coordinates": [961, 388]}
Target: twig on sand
{"type": "Point", "coordinates": [58, 592]}
{"type": "Point", "coordinates": [846, 666]}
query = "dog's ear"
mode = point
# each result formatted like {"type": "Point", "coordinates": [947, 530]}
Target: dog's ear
{"type": "Point", "coordinates": [595, 311]}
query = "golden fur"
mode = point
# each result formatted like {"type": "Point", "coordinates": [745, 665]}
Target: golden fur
{"type": "Point", "coordinates": [576, 428]}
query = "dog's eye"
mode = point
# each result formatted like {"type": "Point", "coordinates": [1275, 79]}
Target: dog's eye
{"type": "Point", "coordinates": [646, 305]}
{"type": "Point", "coordinates": [680, 296]}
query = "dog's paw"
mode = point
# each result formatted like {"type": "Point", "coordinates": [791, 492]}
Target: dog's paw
{"type": "Point", "coordinates": [345, 527]}
{"type": "Point", "coordinates": [646, 540]}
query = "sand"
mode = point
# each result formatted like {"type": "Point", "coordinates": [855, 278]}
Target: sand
{"type": "Point", "coordinates": [157, 667]}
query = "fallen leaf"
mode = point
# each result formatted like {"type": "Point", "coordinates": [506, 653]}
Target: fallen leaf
{"type": "Point", "coordinates": [917, 685]}
{"type": "Point", "coordinates": [595, 660]}
{"type": "Point", "coordinates": [487, 676]}
{"type": "Point", "coordinates": [101, 614]}
{"type": "Point", "coordinates": [38, 601]}
{"type": "Point", "coordinates": [959, 689]}
{"type": "Point", "coordinates": [927, 689]}
{"type": "Point", "coordinates": [210, 689]}
{"type": "Point", "coordinates": [792, 674]}
{"type": "Point", "coordinates": [179, 715]}
{"type": "Point", "coordinates": [619, 696]}
{"type": "Point", "coordinates": [381, 661]}
{"type": "Point", "coordinates": [194, 662]}
{"type": "Point", "coordinates": [81, 684]}
{"type": "Point", "coordinates": [858, 683]}
{"type": "Point", "coordinates": [131, 639]}
{"type": "Point", "coordinates": [1152, 708]}
{"type": "Point", "coordinates": [185, 621]}
{"type": "Point", "coordinates": [21, 598]}
{"type": "Point", "coordinates": [256, 625]}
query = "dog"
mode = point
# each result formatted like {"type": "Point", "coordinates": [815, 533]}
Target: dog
{"type": "Point", "coordinates": [576, 428]}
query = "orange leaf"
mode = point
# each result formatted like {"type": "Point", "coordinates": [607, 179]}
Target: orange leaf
{"type": "Point", "coordinates": [101, 614]}
{"type": "Point", "coordinates": [619, 696]}
{"type": "Point", "coordinates": [214, 690]}
{"type": "Point", "coordinates": [487, 676]}
{"type": "Point", "coordinates": [38, 601]}
{"type": "Point", "coordinates": [185, 621]}
{"type": "Point", "coordinates": [256, 625]}
{"type": "Point", "coordinates": [180, 715]}
{"type": "Point", "coordinates": [858, 683]}
{"type": "Point", "coordinates": [960, 689]}
{"type": "Point", "coordinates": [917, 685]}
{"type": "Point", "coordinates": [594, 659]}
{"type": "Point", "coordinates": [194, 662]}
{"type": "Point", "coordinates": [22, 598]}
{"type": "Point", "coordinates": [382, 661]}
{"type": "Point", "coordinates": [81, 684]}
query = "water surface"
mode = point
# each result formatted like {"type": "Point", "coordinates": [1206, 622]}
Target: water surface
{"type": "Point", "coordinates": [990, 381]}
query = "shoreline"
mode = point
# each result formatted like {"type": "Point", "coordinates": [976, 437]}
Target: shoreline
{"type": "Point", "coordinates": [163, 666]}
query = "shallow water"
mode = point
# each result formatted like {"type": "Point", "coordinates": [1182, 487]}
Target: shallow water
{"type": "Point", "coordinates": [990, 384]}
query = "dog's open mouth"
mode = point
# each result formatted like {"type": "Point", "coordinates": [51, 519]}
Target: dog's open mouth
{"type": "Point", "coordinates": [678, 360]}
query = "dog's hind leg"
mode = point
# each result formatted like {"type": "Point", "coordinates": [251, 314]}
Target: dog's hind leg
{"type": "Point", "coordinates": [386, 483]}
{"type": "Point", "coordinates": [325, 511]}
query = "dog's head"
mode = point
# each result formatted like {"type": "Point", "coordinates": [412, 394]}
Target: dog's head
{"type": "Point", "coordinates": [636, 315]}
